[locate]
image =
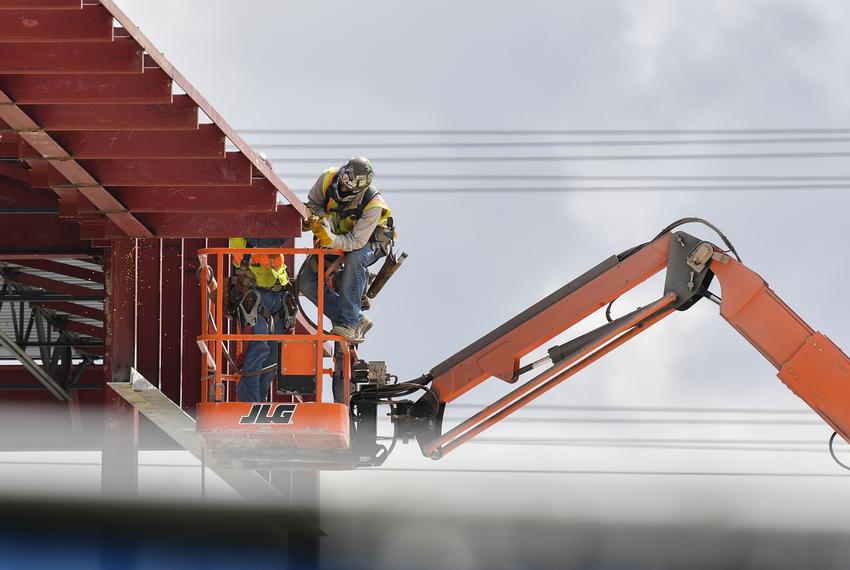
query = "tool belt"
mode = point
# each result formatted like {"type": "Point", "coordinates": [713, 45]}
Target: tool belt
{"type": "Point", "coordinates": [243, 301]}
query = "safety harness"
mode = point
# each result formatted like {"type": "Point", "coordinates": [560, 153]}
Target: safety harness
{"type": "Point", "coordinates": [344, 217]}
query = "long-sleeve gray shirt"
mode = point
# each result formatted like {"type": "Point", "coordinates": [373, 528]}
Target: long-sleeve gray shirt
{"type": "Point", "coordinates": [363, 228]}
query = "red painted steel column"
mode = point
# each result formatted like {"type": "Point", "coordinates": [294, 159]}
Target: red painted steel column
{"type": "Point", "coordinates": [171, 318]}
{"type": "Point", "coordinates": [190, 377]}
{"type": "Point", "coordinates": [120, 309]}
{"type": "Point", "coordinates": [148, 309]}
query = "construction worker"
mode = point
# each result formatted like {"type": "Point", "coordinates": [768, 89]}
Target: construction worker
{"type": "Point", "coordinates": [261, 295]}
{"type": "Point", "coordinates": [348, 214]}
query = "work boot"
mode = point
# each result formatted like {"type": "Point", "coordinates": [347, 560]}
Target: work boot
{"type": "Point", "coordinates": [345, 331]}
{"type": "Point", "coordinates": [363, 326]}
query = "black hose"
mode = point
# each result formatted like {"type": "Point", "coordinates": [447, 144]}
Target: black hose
{"type": "Point", "coordinates": [832, 452]}
{"type": "Point", "coordinates": [297, 289]}
{"type": "Point", "coordinates": [676, 224]}
{"type": "Point", "coordinates": [684, 221]}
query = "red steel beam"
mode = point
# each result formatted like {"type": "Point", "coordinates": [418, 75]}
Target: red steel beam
{"type": "Point", "coordinates": [92, 23]}
{"type": "Point", "coordinates": [70, 169]}
{"type": "Point", "coordinates": [119, 56]}
{"type": "Point", "coordinates": [151, 87]}
{"type": "Point", "coordinates": [190, 375]}
{"type": "Point", "coordinates": [16, 172]}
{"type": "Point", "coordinates": [84, 329]}
{"type": "Point", "coordinates": [94, 229]}
{"type": "Point", "coordinates": [60, 268]}
{"type": "Point", "coordinates": [261, 196]}
{"type": "Point", "coordinates": [120, 309]}
{"type": "Point", "coordinates": [37, 235]}
{"type": "Point", "coordinates": [148, 293]}
{"type": "Point", "coordinates": [264, 167]}
{"type": "Point", "coordinates": [73, 309]}
{"type": "Point", "coordinates": [42, 5]}
{"type": "Point", "coordinates": [182, 113]}
{"type": "Point", "coordinates": [283, 223]}
{"type": "Point", "coordinates": [206, 142]}
{"type": "Point", "coordinates": [233, 170]}
{"type": "Point", "coordinates": [54, 286]}
{"type": "Point", "coordinates": [20, 199]}
{"type": "Point", "coordinates": [171, 318]}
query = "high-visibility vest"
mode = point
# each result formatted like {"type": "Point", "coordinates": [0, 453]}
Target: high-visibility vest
{"type": "Point", "coordinates": [343, 218]}
{"type": "Point", "coordinates": [268, 269]}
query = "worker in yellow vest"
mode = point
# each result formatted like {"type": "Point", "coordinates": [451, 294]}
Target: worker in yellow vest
{"type": "Point", "coordinates": [261, 294]}
{"type": "Point", "coordinates": [349, 214]}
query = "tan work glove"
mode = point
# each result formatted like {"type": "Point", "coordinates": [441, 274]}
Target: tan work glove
{"type": "Point", "coordinates": [322, 231]}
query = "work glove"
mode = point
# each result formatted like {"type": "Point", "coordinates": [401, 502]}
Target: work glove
{"type": "Point", "coordinates": [322, 231]}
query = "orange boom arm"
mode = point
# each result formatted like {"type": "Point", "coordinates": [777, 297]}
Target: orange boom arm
{"type": "Point", "coordinates": [808, 362]}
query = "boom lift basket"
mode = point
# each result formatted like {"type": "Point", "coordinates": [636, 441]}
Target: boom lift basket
{"type": "Point", "coordinates": [297, 425]}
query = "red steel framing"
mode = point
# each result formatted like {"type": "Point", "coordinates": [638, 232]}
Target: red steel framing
{"type": "Point", "coordinates": [120, 56]}
{"type": "Point", "coordinates": [20, 198]}
{"type": "Point", "coordinates": [190, 373]}
{"type": "Point", "coordinates": [120, 307]}
{"type": "Point", "coordinates": [262, 224]}
{"type": "Point", "coordinates": [151, 87]}
{"type": "Point", "coordinates": [111, 164]}
{"type": "Point", "coordinates": [42, 5]}
{"type": "Point", "coordinates": [63, 269]}
{"type": "Point", "coordinates": [148, 293]}
{"type": "Point", "coordinates": [258, 197]}
{"type": "Point", "coordinates": [234, 169]}
{"type": "Point", "coordinates": [70, 169]}
{"type": "Point", "coordinates": [207, 108]}
{"type": "Point", "coordinates": [73, 309]}
{"type": "Point", "coordinates": [181, 113]}
{"type": "Point", "coordinates": [171, 318]}
{"type": "Point", "coordinates": [92, 23]}
{"type": "Point", "coordinates": [54, 286]}
{"type": "Point", "coordinates": [206, 142]}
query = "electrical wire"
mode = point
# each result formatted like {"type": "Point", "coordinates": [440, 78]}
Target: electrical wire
{"type": "Point", "coordinates": [578, 158]}
{"type": "Point", "coordinates": [560, 177]}
{"type": "Point", "coordinates": [523, 132]}
{"type": "Point", "coordinates": [550, 144]}
{"type": "Point", "coordinates": [607, 189]}
{"type": "Point", "coordinates": [613, 472]}
{"type": "Point", "coordinates": [663, 421]}
{"type": "Point", "coordinates": [687, 410]}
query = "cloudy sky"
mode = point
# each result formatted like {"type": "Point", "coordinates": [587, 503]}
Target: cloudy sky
{"type": "Point", "coordinates": [476, 259]}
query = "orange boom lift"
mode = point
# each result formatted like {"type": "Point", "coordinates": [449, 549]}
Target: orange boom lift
{"type": "Point", "coordinates": [344, 434]}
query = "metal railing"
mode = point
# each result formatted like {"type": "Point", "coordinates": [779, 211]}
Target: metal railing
{"type": "Point", "coordinates": [219, 368]}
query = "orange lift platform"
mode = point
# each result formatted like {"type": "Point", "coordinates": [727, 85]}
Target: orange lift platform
{"type": "Point", "coordinates": [298, 425]}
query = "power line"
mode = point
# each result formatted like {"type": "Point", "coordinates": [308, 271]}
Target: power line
{"type": "Point", "coordinates": [557, 177]}
{"type": "Point", "coordinates": [660, 445]}
{"type": "Point", "coordinates": [650, 441]}
{"type": "Point", "coordinates": [578, 158]}
{"type": "Point", "coordinates": [524, 132]}
{"type": "Point", "coordinates": [605, 189]}
{"type": "Point", "coordinates": [688, 421]}
{"type": "Point", "coordinates": [609, 472]}
{"type": "Point", "coordinates": [551, 144]}
{"type": "Point", "coordinates": [557, 407]}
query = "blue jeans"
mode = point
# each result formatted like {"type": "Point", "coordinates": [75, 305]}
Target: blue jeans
{"type": "Point", "coordinates": [343, 307]}
{"type": "Point", "coordinates": [259, 353]}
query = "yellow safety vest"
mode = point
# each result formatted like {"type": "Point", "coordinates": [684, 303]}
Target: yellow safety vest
{"type": "Point", "coordinates": [342, 219]}
{"type": "Point", "coordinates": [267, 269]}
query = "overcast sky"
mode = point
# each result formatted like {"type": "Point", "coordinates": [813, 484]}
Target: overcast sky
{"type": "Point", "coordinates": [478, 259]}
